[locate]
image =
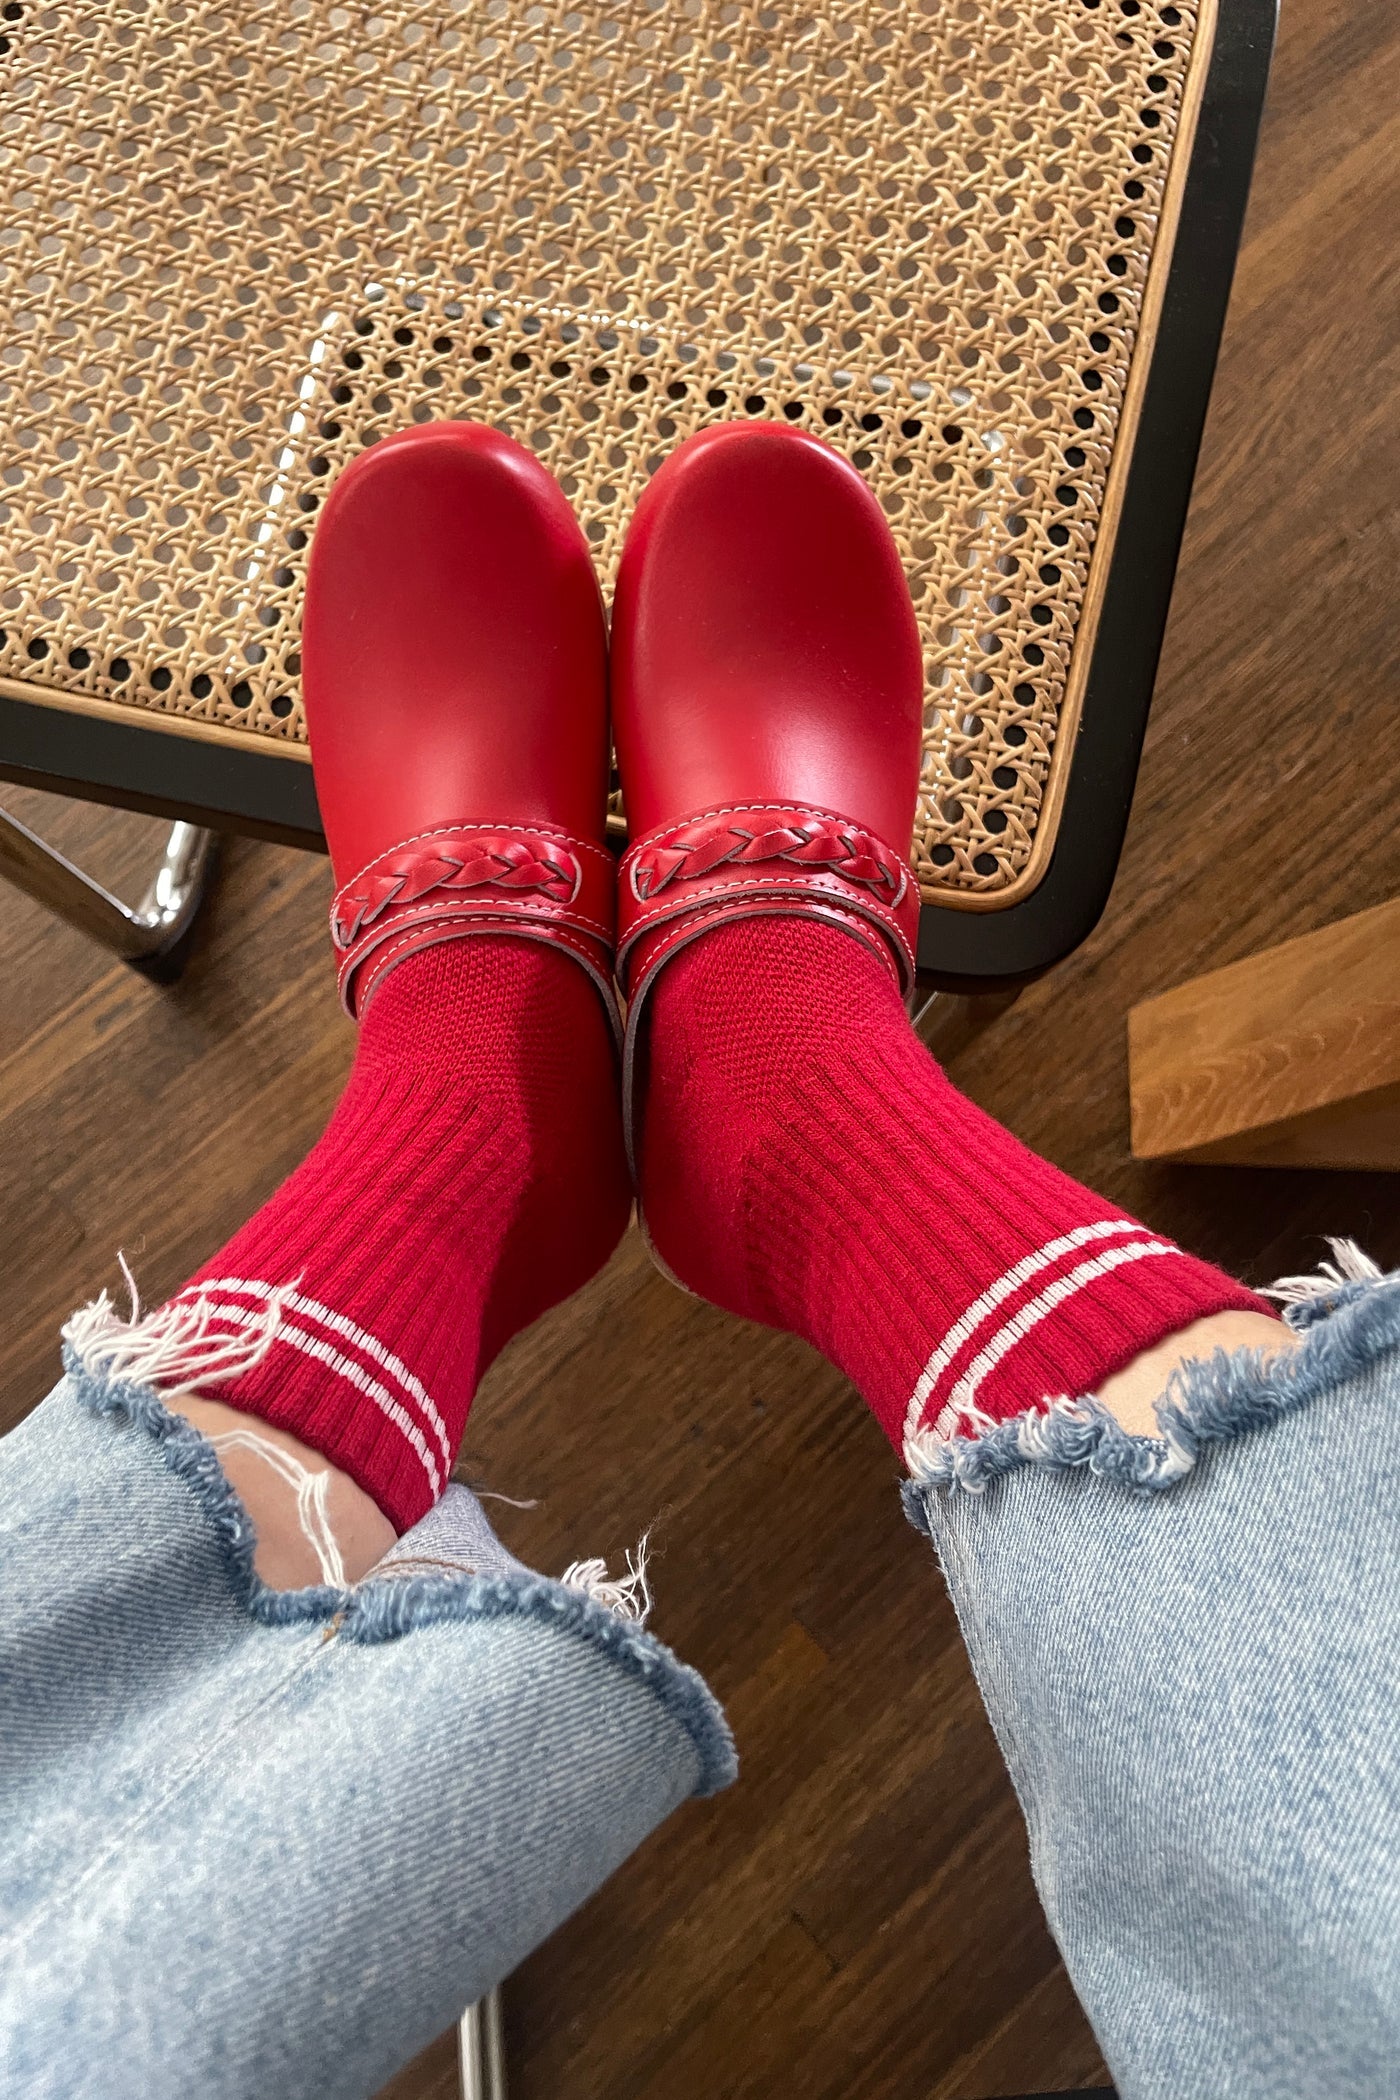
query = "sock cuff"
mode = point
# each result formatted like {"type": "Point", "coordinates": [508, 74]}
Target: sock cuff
{"type": "Point", "coordinates": [311, 1369]}
{"type": "Point", "coordinates": [472, 1174]}
{"type": "Point", "coordinates": [1064, 1318]}
{"type": "Point", "coordinates": [805, 1162]}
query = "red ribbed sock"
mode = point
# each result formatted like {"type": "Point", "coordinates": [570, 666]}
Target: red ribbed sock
{"type": "Point", "coordinates": [804, 1162]}
{"type": "Point", "coordinates": [471, 1176]}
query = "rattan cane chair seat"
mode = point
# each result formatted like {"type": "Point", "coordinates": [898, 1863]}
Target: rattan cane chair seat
{"type": "Point", "coordinates": [238, 243]}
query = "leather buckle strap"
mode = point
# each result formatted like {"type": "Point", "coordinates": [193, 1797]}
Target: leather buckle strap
{"type": "Point", "coordinates": [762, 858]}
{"type": "Point", "coordinates": [529, 880]}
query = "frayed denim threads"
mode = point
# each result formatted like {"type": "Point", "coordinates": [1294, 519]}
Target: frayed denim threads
{"type": "Point", "coordinates": [255, 1843]}
{"type": "Point", "coordinates": [1209, 1401]}
{"type": "Point", "coordinates": [374, 1610]}
{"type": "Point", "coordinates": [1197, 1696]}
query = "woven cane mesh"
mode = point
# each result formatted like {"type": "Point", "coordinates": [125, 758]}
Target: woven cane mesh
{"type": "Point", "coordinates": [237, 244]}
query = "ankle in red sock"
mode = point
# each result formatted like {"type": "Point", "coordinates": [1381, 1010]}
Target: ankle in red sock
{"type": "Point", "coordinates": [471, 1176]}
{"type": "Point", "coordinates": [805, 1162]}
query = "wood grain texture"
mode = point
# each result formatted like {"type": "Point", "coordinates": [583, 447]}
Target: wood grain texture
{"type": "Point", "coordinates": [1290, 1057]}
{"type": "Point", "coordinates": [854, 1921]}
{"type": "Point", "coordinates": [1363, 1132]}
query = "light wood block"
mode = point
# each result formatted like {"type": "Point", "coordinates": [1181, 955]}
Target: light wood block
{"type": "Point", "coordinates": [1291, 1058]}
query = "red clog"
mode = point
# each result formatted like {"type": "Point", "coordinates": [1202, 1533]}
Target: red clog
{"type": "Point", "coordinates": [767, 698]}
{"type": "Point", "coordinates": [454, 657]}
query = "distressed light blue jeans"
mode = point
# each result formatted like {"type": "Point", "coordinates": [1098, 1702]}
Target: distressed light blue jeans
{"type": "Point", "coordinates": [260, 1846]}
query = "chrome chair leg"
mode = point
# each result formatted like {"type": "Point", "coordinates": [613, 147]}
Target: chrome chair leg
{"type": "Point", "coordinates": [152, 937]}
{"type": "Point", "coordinates": [481, 2050]}
{"type": "Point", "coordinates": [949, 1021]}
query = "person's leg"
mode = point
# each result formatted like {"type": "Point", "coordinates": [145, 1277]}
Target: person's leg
{"type": "Point", "coordinates": [473, 1174]}
{"type": "Point", "coordinates": [271, 1840]}
{"type": "Point", "coordinates": [805, 1162]}
{"type": "Point", "coordinates": [799, 1156]}
{"type": "Point", "coordinates": [254, 1844]}
{"type": "Point", "coordinates": [1194, 1689]}
{"type": "Point", "coordinates": [1186, 1642]}
{"type": "Point", "coordinates": [1132, 1395]}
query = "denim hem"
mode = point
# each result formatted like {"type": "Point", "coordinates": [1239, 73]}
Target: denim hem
{"type": "Point", "coordinates": [1345, 1326]}
{"type": "Point", "coordinates": [374, 1611]}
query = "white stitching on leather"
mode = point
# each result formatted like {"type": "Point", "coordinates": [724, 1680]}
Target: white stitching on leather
{"type": "Point", "coordinates": [358, 957]}
{"type": "Point", "coordinates": [862, 927]}
{"type": "Point", "coordinates": [873, 912]}
{"type": "Point", "coordinates": [381, 953]}
{"type": "Point", "coordinates": [443, 831]}
{"type": "Point", "coordinates": [627, 870]}
{"type": "Point", "coordinates": [745, 809]}
{"type": "Point", "coordinates": [799, 883]}
{"type": "Point", "coordinates": [522, 907]}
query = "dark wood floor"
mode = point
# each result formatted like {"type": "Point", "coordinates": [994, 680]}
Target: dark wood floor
{"type": "Point", "coordinates": [856, 1918]}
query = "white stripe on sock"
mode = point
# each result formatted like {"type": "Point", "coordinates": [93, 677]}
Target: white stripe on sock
{"type": "Point", "coordinates": [981, 1309]}
{"type": "Point", "coordinates": [368, 1344]}
{"type": "Point", "coordinates": [344, 1367]}
{"type": "Point", "coordinates": [962, 1400]}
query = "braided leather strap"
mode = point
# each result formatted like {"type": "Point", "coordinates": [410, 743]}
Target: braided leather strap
{"type": "Point", "coordinates": [464, 879]}
{"type": "Point", "coordinates": [734, 842]}
{"type": "Point", "coordinates": [775, 857]}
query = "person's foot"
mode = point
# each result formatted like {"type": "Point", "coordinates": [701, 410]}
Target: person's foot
{"type": "Point", "coordinates": [767, 698]}
{"type": "Point", "coordinates": [473, 1173]}
{"type": "Point", "coordinates": [455, 679]}
{"type": "Point", "coordinates": [799, 1155]}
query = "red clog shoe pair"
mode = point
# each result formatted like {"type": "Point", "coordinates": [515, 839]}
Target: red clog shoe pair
{"type": "Point", "coordinates": [766, 699]}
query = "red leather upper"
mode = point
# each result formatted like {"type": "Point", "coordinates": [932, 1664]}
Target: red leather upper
{"type": "Point", "coordinates": [767, 694]}
{"type": "Point", "coordinates": [454, 669]}
{"type": "Point", "coordinates": [764, 646]}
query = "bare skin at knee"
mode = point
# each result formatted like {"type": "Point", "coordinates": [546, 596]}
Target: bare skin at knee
{"type": "Point", "coordinates": [1132, 1393]}
{"type": "Point", "coordinates": [285, 1555]}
